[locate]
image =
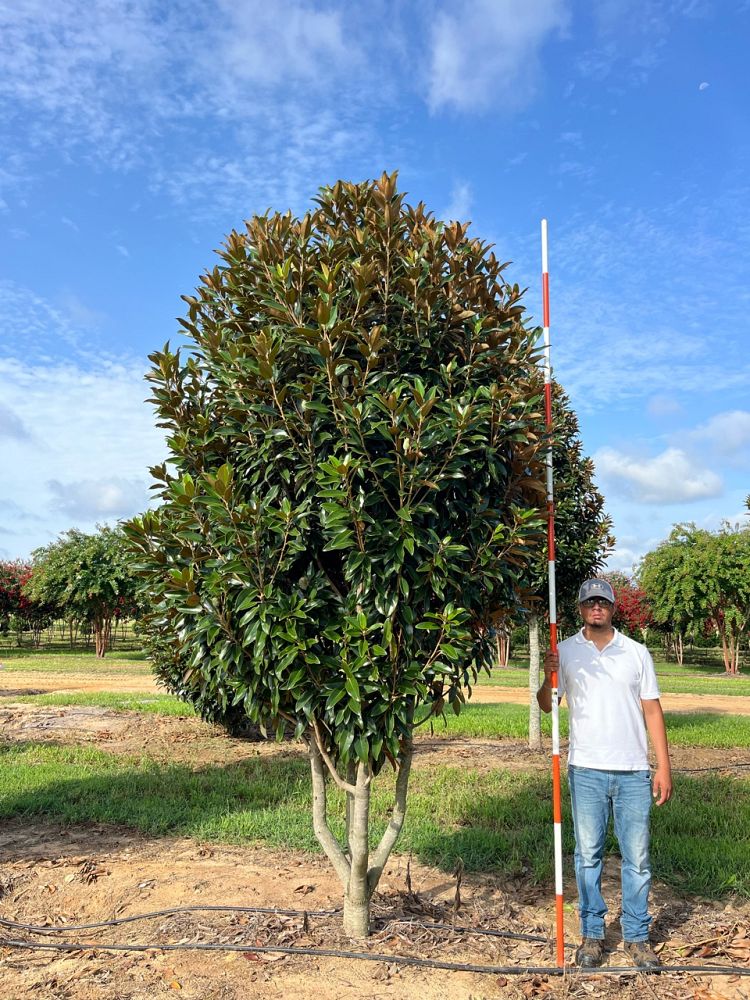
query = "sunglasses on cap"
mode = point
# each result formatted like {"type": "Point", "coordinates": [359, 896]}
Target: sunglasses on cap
{"type": "Point", "coordinates": [591, 602]}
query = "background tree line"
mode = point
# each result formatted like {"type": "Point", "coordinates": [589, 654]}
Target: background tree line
{"type": "Point", "coordinates": [81, 582]}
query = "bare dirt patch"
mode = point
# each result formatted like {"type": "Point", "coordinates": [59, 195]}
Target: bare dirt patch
{"type": "Point", "coordinates": [56, 876]}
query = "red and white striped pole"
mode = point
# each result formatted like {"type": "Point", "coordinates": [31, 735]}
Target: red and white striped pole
{"type": "Point", "coordinates": [556, 808]}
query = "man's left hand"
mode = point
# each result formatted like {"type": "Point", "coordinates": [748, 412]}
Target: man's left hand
{"type": "Point", "coordinates": [662, 786]}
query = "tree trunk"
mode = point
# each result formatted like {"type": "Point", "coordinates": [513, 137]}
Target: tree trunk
{"type": "Point", "coordinates": [734, 651]}
{"type": "Point", "coordinates": [725, 651]}
{"type": "Point", "coordinates": [102, 635]}
{"type": "Point", "coordinates": [503, 649]}
{"type": "Point", "coordinates": [679, 648]}
{"type": "Point", "coordinates": [357, 893]}
{"type": "Point", "coordinates": [535, 712]}
{"type": "Point", "coordinates": [358, 871]}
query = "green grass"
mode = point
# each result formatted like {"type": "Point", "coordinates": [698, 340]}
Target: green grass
{"type": "Point", "coordinates": [119, 701]}
{"type": "Point", "coordinates": [494, 820]}
{"type": "Point", "coordinates": [75, 662]}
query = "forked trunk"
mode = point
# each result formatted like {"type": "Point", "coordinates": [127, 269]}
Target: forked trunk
{"type": "Point", "coordinates": [535, 712]}
{"type": "Point", "coordinates": [358, 869]}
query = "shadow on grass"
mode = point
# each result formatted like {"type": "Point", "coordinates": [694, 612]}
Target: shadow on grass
{"type": "Point", "coordinates": [494, 821]}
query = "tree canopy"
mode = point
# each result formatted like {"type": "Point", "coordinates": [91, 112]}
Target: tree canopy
{"type": "Point", "coordinates": [353, 492]}
{"type": "Point", "coordinates": [85, 577]}
{"type": "Point", "coordinates": [698, 577]}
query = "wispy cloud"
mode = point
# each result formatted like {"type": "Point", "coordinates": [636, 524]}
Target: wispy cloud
{"type": "Point", "coordinates": [459, 206]}
{"type": "Point", "coordinates": [633, 292]}
{"type": "Point", "coordinates": [487, 53]}
{"type": "Point", "coordinates": [663, 405]}
{"type": "Point", "coordinates": [11, 426]}
{"type": "Point", "coordinates": [131, 87]}
{"type": "Point", "coordinates": [671, 477]}
{"type": "Point", "coordinates": [632, 37]}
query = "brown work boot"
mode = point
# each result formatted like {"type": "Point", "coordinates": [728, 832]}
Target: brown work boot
{"type": "Point", "coordinates": [590, 954]}
{"type": "Point", "coordinates": [642, 954]}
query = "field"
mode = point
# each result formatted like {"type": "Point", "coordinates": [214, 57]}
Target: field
{"type": "Point", "coordinates": [116, 801]}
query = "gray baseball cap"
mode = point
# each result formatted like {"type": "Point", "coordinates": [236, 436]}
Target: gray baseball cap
{"type": "Point", "coordinates": [596, 588]}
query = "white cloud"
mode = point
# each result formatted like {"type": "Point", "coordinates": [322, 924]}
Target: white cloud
{"type": "Point", "coordinates": [704, 86]}
{"type": "Point", "coordinates": [11, 426]}
{"type": "Point", "coordinates": [726, 433]}
{"type": "Point", "coordinates": [671, 477]}
{"type": "Point", "coordinates": [94, 499]}
{"type": "Point", "coordinates": [267, 44]}
{"type": "Point", "coordinates": [486, 53]}
{"type": "Point", "coordinates": [94, 439]}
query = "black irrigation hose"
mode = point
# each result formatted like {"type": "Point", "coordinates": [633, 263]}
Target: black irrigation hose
{"type": "Point", "coordinates": [273, 911]}
{"type": "Point", "coordinates": [720, 767]}
{"type": "Point", "coordinates": [424, 963]}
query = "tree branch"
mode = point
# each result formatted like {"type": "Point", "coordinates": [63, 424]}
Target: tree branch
{"type": "Point", "coordinates": [318, 741]}
{"type": "Point", "coordinates": [325, 838]}
{"type": "Point", "coordinates": [392, 831]}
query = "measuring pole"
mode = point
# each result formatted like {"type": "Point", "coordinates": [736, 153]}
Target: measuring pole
{"type": "Point", "coordinates": [556, 810]}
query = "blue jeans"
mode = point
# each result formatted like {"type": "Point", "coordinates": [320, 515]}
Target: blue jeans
{"type": "Point", "coordinates": [627, 796]}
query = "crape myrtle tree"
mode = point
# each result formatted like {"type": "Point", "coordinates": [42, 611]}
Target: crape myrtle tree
{"type": "Point", "coordinates": [583, 539]}
{"type": "Point", "coordinates": [13, 574]}
{"type": "Point", "coordinates": [87, 577]}
{"type": "Point", "coordinates": [18, 612]}
{"type": "Point", "coordinates": [697, 577]}
{"type": "Point", "coordinates": [352, 494]}
{"type": "Point", "coordinates": [632, 609]}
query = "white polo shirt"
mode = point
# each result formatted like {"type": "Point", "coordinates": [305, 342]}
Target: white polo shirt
{"type": "Point", "coordinates": [604, 691]}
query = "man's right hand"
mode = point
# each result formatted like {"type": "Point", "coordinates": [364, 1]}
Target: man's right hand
{"type": "Point", "coordinates": [551, 663]}
{"type": "Point", "coordinates": [544, 694]}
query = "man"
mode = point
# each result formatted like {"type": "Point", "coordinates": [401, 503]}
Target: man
{"type": "Point", "coordinates": [613, 698]}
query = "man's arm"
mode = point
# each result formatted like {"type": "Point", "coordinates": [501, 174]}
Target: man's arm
{"type": "Point", "coordinates": [657, 732]}
{"type": "Point", "coordinates": [544, 694]}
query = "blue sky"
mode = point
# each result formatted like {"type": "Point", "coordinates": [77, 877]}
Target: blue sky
{"type": "Point", "coordinates": [134, 136]}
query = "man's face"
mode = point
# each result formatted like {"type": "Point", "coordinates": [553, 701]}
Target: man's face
{"type": "Point", "coordinates": [597, 612]}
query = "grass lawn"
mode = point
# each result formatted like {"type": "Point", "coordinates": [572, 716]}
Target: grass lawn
{"type": "Point", "coordinates": [493, 820]}
{"type": "Point", "coordinates": [119, 701]}
{"type": "Point", "coordinates": [75, 662]}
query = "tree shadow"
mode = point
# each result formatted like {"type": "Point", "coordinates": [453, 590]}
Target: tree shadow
{"type": "Point", "coordinates": [699, 844]}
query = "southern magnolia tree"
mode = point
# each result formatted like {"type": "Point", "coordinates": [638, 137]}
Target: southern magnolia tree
{"type": "Point", "coordinates": [89, 578]}
{"type": "Point", "coordinates": [700, 577]}
{"type": "Point", "coordinates": [582, 540]}
{"type": "Point", "coordinates": [355, 434]}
